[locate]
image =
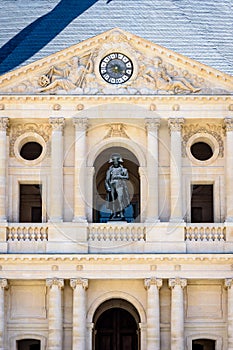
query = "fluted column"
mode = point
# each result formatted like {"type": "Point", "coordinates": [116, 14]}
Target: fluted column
{"type": "Point", "coordinates": [56, 170]}
{"type": "Point", "coordinates": [80, 170]}
{"type": "Point", "coordinates": [152, 125]}
{"type": "Point", "coordinates": [177, 313]}
{"type": "Point", "coordinates": [229, 169]}
{"type": "Point", "coordinates": [229, 286]}
{"type": "Point", "coordinates": [3, 141]}
{"type": "Point", "coordinates": [55, 317]}
{"type": "Point", "coordinates": [175, 125]}
{"type": "Point", "coordinates": [79, 286]}
{"type": "Point", "coordinates": [153, 313]}
{"type": "Point", "coordinates": [3, 285]}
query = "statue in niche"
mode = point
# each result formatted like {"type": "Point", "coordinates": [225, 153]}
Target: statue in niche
{"type": "Point", "coordinates": [117, 191]}
{"type": "Point", "coordinates": [158, 75]}
{"type": "Point", "coordinates": [69, 78]}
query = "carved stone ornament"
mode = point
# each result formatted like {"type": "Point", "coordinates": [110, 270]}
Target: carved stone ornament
{"type": "Point", "coordinates": [148, 282]}
{"type": "Point", "coordinates": [175, 124]}
{"type": "Point", "coordinates": [152, 124]}
{"type": "Point", "coordinates": [3, 283]}
{"type": "Point", "coordinates": [57, 123]}
{"type": "Point", "coordinates": [81, 124]}
{"type": "Point", "coordinates": [229, 124]}
{"type": "Point", "coordinates": [116, 130]}
{"type": "Point", "coordinates": [16, 130]}
{"type": "Point", "coordinates": [228, 283]}
{"type": "Point", "coordinates": [59, 282]}
{"type": "Point", "coordinates": [83, 282]}
{"type": "Point", "coordinates": [4, 123]}
{"type": "Point", "coordinates": [215, 130]}
{"type": "Point", "coordinates": [173, 282]}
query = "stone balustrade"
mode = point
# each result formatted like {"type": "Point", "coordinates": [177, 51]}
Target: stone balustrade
{"type": "Point", "coordinates": [27, 233]}
{"type": "Point", "coordinates": [209, 233]}
{"type": "Point", "coordinates": [116, 233]}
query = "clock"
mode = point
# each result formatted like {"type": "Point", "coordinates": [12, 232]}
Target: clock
{"type": "Point", "coordinates": [116, 68]}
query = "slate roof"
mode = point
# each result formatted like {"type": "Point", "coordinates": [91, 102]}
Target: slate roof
{"type": "Point", "coordinates": [200, 29]}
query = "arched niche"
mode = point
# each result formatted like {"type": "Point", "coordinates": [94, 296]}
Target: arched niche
{"type": "Point", "coordinates": [101, 164]}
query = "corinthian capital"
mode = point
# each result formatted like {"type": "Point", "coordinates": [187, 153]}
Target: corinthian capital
{"type": "Point", "coordinates": [4, 122]}
{"type": "Point", "coordinates": [228, 283]}
{"type": "Point", "coordinates": [182, 282]}
{"type": "Point", "coordinates": [229, 124]}
{"type": "Point", "coordinates": [175, 124]}
{"type": "Point", "coordinates": [153, 281]}
{"type": "Point", "coordinates": [59, 282]}
{"type": "Point", "coordinates": [83, 282]}
{"type": "Point", "coordinates": [152, 124]}
{"type": "Point", "coordinates": [57, 123]}
{"type": "Point", "coordinates": [80, 124]}
{"type": "Point", "coordinates": [3, 283]}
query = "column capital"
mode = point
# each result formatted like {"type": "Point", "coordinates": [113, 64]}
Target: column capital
{"type": "Point", "coordinates": [152, 124]}
{"type": "Point", "coordinates": [182, 282]}
{"type": "Point", "coordinates": [228, 283]}
{"type": "Point", "coordinates": [153, 281]}
{"type": "Point", "coordinates": [55, 282]}
{"type": "Point", "coordinates": [74, 282]}
{"type": "Point", "coordinates": [57, 123]}
{"type": "Point", "coordinates": [4, 123]}
{"type": "Point", "coordinates": [175, 124]}
{"type": "Point", "coordinates": [81, 124]}
{"type": "Point", "coordinates": [3, 283]}
{"type": "Point", "coordinates": [228, 123]}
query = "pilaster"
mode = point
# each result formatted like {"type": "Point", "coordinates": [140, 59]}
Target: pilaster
{"type": "Point", "coordinates": [3, 154]}
{"type": "Point", "coordinates": [229, 287]}
{"type": "Point", "coordinates": [3, 286]}
{"type": "Point", "coordinates": [229, 169]}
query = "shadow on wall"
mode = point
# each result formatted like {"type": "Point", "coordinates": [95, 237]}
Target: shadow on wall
{"type": "Point", "coordinates": [40, 32]}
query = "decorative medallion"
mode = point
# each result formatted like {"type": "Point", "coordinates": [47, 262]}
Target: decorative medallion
{"type": "Point", "coordinates": [116, 68]}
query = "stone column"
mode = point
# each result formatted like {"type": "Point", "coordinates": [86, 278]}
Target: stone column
{"type": "Point", "coordinates": [79, 286]}
{"type": "Point", "coordinates": [3, 156]}
{"type": "Point", "coordinates": [177, 313]}
{"type": "Point", "coordinates": [152, 125]}
{"type": "Point", "coordinates": [3, 285]}
{"type": "Point", "coordinates": [80, 170]}
{"type": "Point", "coordinates": [153, 312]}
{"type": "Point", "coordinates": [56, 170]}
{"type": "Point", "coordinates": [175, 125]}
{"type": "Point", "coordinates": [144, 192]}
{"type": "Point", "coordinates": [55, 317]}
{"type": "Point", "coordinates": [229, 169]}
{"type": "Point", "coordinates": [229, 286]}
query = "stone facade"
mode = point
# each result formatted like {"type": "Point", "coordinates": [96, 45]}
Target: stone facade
{"type": "Point", "coordinates": [169, 266]}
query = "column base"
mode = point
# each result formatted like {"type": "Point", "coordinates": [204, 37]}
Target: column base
{"type": "Point", "coordinates": [79, 219]}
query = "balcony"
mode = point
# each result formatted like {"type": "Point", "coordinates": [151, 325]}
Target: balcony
{"type": "Point", "coordinates": [161, 237]}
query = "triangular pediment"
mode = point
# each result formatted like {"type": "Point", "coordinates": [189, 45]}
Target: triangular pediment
{"type": "Point", "coordinates": [119, 63]}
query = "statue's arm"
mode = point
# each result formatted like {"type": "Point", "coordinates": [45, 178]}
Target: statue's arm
{"type": "Point", "coordinates": [107, 185]}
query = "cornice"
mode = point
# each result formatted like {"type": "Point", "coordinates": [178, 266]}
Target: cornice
{"type": "Point", "coordinates": [118, 258]}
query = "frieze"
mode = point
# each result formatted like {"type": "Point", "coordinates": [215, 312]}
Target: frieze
{"type": "Point", "coordinates": [16, 130]}
{"type": "Point", "coordinates": [216, 130]}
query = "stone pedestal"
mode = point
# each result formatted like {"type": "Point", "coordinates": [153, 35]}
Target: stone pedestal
{"type": "Point", "coordinates": [80, 179]}
{"type": "Point", "coordinates": [229, 286]}
{"type": "Point", "coordinates": [56, 170]}
{"type": "Point", "coordinates": [152, 125]}
{"type": "Point", "coordinates": [79, 286]}
{"type": "Point", "coordinates": [153, 313]}
{"type": "Point", "coordinates": [3, 285]}
{"type": "Point", "coordinates": [177, 313]}
{"type": "Point", "coordinates": [55, 318]}
{"type": "Point", "coordinates": [175, 125]}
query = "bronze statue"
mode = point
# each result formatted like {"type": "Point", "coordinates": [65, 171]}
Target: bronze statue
{"type": "Point", "coordinates": [117, 191]}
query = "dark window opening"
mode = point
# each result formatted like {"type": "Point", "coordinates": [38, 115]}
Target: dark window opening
{"type": "Point", "coordinates": [30, 209]}
{"type": "Point", "coordinates": [201, 151]}
{"type": "Point", "coordinates": [31, 150]}
{"type": "Point", "coordinates": [28, 344]}
{"type": "Point", "coordinates": [203, 344]}
{"type": "Point", "coordinates": [202, 203]}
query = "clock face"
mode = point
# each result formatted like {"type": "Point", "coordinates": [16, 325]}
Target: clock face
{"type": "Point", "coordinates": [116, 68]}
